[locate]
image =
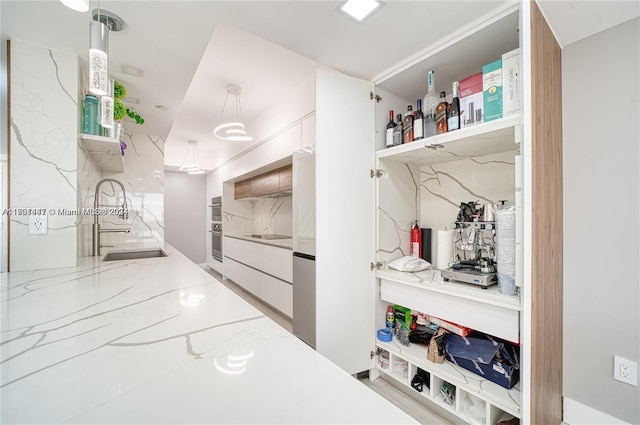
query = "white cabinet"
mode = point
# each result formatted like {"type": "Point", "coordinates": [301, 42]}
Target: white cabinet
{"type": "Point", "coordinates": [264, 270]}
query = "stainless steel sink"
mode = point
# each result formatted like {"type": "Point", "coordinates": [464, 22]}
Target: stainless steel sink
{"type": "Point", "coordinates": [134, 254]}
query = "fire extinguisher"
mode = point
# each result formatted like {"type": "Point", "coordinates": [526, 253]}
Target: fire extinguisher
{"type": "Point", "coordinates": [415, 249]}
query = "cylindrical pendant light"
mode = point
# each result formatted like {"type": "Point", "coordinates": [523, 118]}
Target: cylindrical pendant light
{"type": "Point", "coordinates": [98, 61]}
{"type": "Point", "coordinates": [106, 106]}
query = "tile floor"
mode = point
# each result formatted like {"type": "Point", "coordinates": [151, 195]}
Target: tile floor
{"type": "Point", "coordinates": [412, 407]}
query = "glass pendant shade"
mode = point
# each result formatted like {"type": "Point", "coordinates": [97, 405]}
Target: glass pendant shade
{"type": "Point", "coordinates": [98, 61]}
{"type": "Point", "coordinates": [79, 5]}
{"type": "Point", "coordinates": [106, 107]}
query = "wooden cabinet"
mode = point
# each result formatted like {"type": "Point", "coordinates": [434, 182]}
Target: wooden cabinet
{"type": "Point", "coordinates": [242, 189]}
{"type": "Point", "coordinates": [272, 182]}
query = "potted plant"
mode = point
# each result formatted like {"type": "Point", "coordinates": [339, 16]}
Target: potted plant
{"type": "Point", "coordinates": [120, 112]}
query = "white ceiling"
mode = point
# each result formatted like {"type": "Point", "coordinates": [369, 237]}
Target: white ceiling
{"type": "Point", "coordinates": [189, 50]}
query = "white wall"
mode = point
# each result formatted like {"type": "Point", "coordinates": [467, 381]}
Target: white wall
{"type": "Point", "coordinates": [601, 217]}
{"type": "Point", "coordinates": [185, 209]}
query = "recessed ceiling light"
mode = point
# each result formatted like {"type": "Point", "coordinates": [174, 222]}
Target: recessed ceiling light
{"type": "Point", "coordinates": [130, 70]}
{"type": "Point", "coordinates": [360, 9]}
{"type": "Point", "coordinates": [161, 107]}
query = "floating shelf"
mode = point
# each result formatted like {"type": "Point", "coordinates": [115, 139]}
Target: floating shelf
{"type": "Point", "coordinates": [104, 152]}
{"type": "Point", "coordinates": [482, 139]}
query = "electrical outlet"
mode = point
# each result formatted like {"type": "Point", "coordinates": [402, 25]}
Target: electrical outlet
{"type": "Point", "coordinates": [625, 370]}
{"type": "Point", "coordinates": [38, 225]}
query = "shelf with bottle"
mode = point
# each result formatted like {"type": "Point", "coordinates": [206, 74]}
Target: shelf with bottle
{"type": "Point", "coordinates": [501, 135]}
{"type": "Point", "coordinates": [105, 152]}
{"type": "Point", "coordinates": [496, 400]}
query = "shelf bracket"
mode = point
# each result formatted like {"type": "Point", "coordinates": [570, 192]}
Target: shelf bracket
{"type": "Point", "coordinates": [372, 96]}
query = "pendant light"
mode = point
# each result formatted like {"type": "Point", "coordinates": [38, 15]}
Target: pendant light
{"type": "Point", "coordinates": [98, 60]}
{"type": "Point", "coordinates": [106, 106]}
{"type": "Point", "coordinates": [78, 5]}
{"type": "Point", "coordinates": [233, 131]}
{"type": "Point", "coordinates": [190, 160]}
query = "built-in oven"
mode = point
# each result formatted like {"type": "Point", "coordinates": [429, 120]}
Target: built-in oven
{"type": "Point", "coordinates": [216, 209]}
{"type": "Point", "coordinates": [216, 241]}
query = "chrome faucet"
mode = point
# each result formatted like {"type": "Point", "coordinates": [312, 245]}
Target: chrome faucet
{"type": "Point", "coordinates": [124, 214]}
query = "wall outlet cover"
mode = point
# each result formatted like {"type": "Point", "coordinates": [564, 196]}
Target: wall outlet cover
{"type": "Point", "coordinates": [625, 370]}
{"type": "Point", "coordinates": [38, 225]}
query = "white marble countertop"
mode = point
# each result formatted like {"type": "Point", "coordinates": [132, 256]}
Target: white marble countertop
{"type": "Point", "coordinates": [281, 243]}
{"type": "Point", "coordinates": [161, 341]}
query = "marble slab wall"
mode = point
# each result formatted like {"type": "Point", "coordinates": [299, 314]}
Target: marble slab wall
{"type": "Point", "coordinates": [43, 154]}
{"type": "Point", "coordinates": [273, 215]}
{"type": "Point", "coordinates": [432, 195]}
{"type": "Point", "coordinates": [143, 180]}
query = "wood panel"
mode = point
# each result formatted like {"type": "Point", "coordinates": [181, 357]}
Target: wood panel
{"type": "Point", "coordinates": [546, 223]}
{"type": "Point", "coordinates": [265, 184]}
{"type": "Point", "coordinates": [242, 189]}
{"type": "Point", "coordinates": [286, 178]}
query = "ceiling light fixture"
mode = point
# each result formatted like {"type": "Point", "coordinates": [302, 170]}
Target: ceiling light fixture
{"type": "Point", "coordinates": [78, 5]}
{"type": "Point", "coordinates": [233, 131]}
{"type": "Point", "coordinates": [190, 160]}
{"type": "Point", "coordinates": [99, 27]}
{"type": "Point", "coordinates": [360, 9]}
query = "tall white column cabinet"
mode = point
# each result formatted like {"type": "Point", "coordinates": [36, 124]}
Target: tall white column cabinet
{"type": "Point", "coordinates": [367, 196]}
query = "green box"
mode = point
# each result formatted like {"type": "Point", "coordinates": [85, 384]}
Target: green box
{"type": "Point", "coordinates": [402, 315]}
{"type": "Point", "coordinates": [492, 90]}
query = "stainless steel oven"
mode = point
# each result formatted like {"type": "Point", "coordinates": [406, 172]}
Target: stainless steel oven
{"type": "Point", "coordinates": [216, 209]}
{"type": "Point", "coordinates": [216, 241]}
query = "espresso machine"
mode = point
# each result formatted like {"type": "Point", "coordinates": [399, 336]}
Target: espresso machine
{"type": "Point", "coordinates": [474, 259]}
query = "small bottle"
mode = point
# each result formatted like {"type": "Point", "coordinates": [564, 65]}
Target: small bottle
{"type": "Point", "coordinates": [441, 114]}
{"type": "Point", "coordinates": [390, 127]}
{"type": "Point", "coordinates": [390, 318]}
{"type": "Point", "coordinates": [418, 122]}
{"type": "Point", "coordinates": [453, 119]}
{"type": "Point", "coordinates": [90, 115]}
{"type": "Point", "coordinates": [397, 131]}
{"type": "Point", "coordinates": [429, 105]}
{"type": "Point", "coordinates": [407, 127]}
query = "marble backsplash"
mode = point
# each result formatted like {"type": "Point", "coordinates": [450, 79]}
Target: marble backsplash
{"type": "Point", "coordinates": [143, 180]}
{"type": "Point", "coordinates": [43, 154]}
{"type": "Point", "coordinates": [432, 194]}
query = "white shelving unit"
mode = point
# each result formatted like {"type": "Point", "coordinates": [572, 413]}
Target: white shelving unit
{"type": "Point", "coordinates": [104, 152]}
{"type": "Point", "coordinates": [499, 402]}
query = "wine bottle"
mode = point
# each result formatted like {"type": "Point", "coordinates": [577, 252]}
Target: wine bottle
{"type": "Point", "coordinates": [407, 127]}
{"type": "Point", "coordinates": [441, 114]}
{"type": "Point", "coordinates": [429, 105]}
{"type": "Point", "coordinates": [453, 120]}
{"type": "Point", "coordinates": [418, 122]}
{"type": "Point", "coordinates": [390, 127]}
{"type": "Point", "coordinates": [397, 131]}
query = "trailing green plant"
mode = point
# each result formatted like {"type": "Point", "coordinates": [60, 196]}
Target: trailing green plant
{"type": "Point", "coordinates": [119, 91]}
{"type": "Point", "coordinates": [119, 110]}
{"type": "Point", "coordinates": [135, 116]}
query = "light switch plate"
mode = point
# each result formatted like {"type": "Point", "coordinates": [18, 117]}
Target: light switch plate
{"type": "Point", "coordinates": [38, 225]}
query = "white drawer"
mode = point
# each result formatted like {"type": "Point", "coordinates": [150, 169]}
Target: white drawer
{"type": "Point", "coordinates": [248, 278]}
{"type": "Point", "coordinates": [249, 253]}
{"type": "Point", "coordinates": [279, 294]}
{"type": "Point", "coordinates": [491, 319]}
{"type": "Point", "coordinates": [278, 262]}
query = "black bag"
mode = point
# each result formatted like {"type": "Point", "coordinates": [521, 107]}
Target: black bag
{"type": "Point", "coordinates": [421, 334]}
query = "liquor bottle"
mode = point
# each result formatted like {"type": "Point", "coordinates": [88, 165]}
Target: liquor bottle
{"type": "Point", "coordinates": [390, 127]}
{"type": "Point", "coordinates": [453, 119]}
{"type": "Point", "coordinates": [418, 122]}
{"type": "Point", "coordinates": [397, 131]}
{"type": "Point", "coordinates": [429, 105]}
{"type": "Point", "coordinates": [407, 127]}
{"type": "Point", "coordinates": [441, 114]}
